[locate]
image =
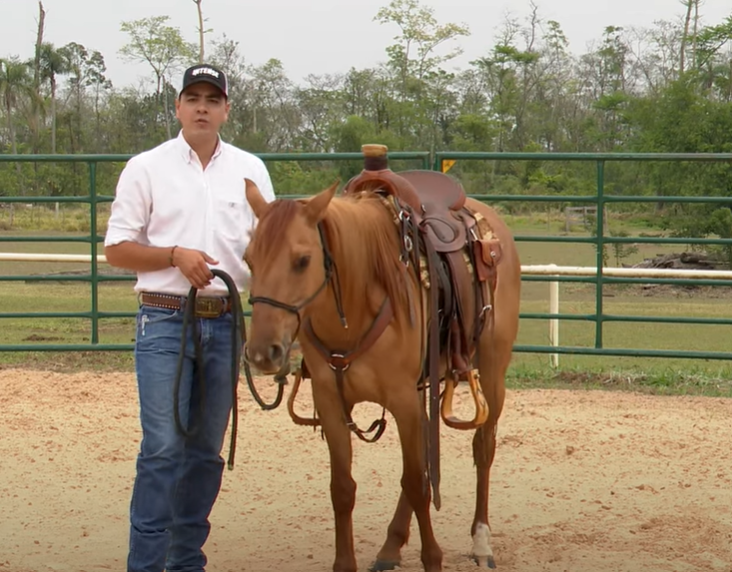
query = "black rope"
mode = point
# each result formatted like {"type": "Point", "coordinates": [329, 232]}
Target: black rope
{"type": "Point", "coordinates": [238, 339]}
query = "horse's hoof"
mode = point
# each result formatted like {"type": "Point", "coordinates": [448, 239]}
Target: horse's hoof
{"type": "Point", "coordinates": [484, 561]}
{"type": "Point", "coordinates": [381, 565]}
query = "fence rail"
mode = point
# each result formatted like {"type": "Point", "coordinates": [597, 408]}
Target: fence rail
{"type": "Point", "coordinates": [598, 274]}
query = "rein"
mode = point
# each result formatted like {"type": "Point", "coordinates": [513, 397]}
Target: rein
{"type": "Point", "coordinates": [238, 339]}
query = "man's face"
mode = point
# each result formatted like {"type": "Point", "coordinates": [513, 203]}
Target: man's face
{"type": "Point", "coordinates": [201, 109]}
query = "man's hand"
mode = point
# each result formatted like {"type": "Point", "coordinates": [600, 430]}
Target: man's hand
{"type": "Point", "coordinates": [192, 264]}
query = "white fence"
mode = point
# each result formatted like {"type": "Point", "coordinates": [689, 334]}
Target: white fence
{"type": "Point", "coordinates": [554, 270]}
{"type": "Point", "coordinates": [527, 270]}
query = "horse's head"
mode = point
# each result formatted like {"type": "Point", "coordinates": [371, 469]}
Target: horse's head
{"type": "Point", "coordinates": [289, 268]}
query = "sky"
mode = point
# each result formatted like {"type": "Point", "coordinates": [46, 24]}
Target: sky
{"type": "Point", "coordinates": [315, 36]}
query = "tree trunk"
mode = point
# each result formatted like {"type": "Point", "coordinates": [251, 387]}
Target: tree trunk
{"type": "Point", "coordinates": [53, 114]}
{"type": "Point", "coordinates": [39, 42]}
{"type": "Point", "coordinates": [97, 118]}
{"type": "Point", "coordinates": [166, 114]}
{"type": "Point", "coordinates": [13, 145]}
{"type": "Point", "coordinates": [687, 20]}
{"type": "Point", "coordinates": [80, 123]}
{"type": "Point", "coordinates": [36, 100]}
{"type": "Point", "coordinates": [14, 151]}
{"type": "Point", "coordinates": [159, 99]}
{"type": "Point", "coordinates": [35, 105]}
{"type": "Point", "coordinates": [696, 31]}
{"type": "Point", "coordinates": [200, 31]}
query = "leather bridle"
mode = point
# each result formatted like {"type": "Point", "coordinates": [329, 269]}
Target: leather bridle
{"type": "Point", "coordinates": [339, 361]}
{"type": "Point", "coordinates": [330, 272]}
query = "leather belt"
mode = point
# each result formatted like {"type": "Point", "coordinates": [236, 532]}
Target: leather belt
{"type": "Point", "coordinates": [206, 306]}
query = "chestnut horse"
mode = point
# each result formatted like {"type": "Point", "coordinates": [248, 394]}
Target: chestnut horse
{"type": "Point", "coordinates": [317, 260]}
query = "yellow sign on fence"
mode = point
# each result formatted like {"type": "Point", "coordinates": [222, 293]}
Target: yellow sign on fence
{"type": "Point", "coordinates": [447, 164]}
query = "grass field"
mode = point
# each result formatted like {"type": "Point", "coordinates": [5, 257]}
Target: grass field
{"type": "Point", "coordinates": [649, 374]}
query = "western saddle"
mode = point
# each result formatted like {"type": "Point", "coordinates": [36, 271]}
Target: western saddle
{"type": "Point", "coordinates": [457, 247]}
{"type": "Point", "coordinates": [453, 253]}
{"type": "Point", "coordinates": [455, 244]}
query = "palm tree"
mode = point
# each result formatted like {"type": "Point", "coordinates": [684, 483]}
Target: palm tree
{"type": "Point", "coordinates": [15, 83]}
{"type": "Point", "coordinates": [53, 63]}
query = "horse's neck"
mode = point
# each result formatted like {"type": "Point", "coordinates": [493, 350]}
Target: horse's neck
{"type": "Point", "coordinates": [328, 326]}
{"type": "Point", "coordinates": [360, 303]}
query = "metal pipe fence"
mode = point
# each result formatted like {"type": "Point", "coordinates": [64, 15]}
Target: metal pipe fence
{"type": "Point", "coordinates": [599, 275]}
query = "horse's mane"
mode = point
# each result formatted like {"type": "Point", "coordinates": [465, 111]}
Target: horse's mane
{"type": "Point", "coordinates": [365, 244]}
{"type": "Point", "coordinates": [363, 241]}
{"type": "Point", "coordinates": [270, 235]}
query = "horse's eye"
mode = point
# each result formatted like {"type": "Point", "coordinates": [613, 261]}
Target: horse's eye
{"type": "Point", "coordinates": [301, 263]}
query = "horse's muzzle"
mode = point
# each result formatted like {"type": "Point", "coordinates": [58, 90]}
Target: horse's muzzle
{"type": "Point", "coordinates": [269, 359]}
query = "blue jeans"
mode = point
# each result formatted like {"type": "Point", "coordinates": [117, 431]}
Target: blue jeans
{"type": "Point", "coordinates": [178, 479]}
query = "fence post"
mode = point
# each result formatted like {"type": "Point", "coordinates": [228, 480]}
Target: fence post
{"type": "Point", "coordinates": [600, 219]}
{"type": "Point", "coordinates": [93, 200]}
{"type": "Point", "coordinates": [554, 322]}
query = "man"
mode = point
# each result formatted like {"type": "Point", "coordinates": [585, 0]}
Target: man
{"type": "Point", "coordinates": [180, 209]}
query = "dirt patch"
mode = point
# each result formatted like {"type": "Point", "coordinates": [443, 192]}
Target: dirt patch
{"type": "Point", "coordinates": [583, 480]}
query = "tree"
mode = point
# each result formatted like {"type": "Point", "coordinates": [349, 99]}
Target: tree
{"type": "Point", "coordinates": [201, 31]}
{"type": "Point", "coordinates": [163, 48]}
{"type": "Point", "coordinates": [53, 63]}
{"type": "Point", "coordinates": [528, 92]}
{"type": "Point", "coordinates": [86, 69]}
{"type": "Point", "coordinates": [37, 100]}
{"type": "Point", "coordinates": [715, 67]}
{"type": "Point", "coordinates": [414, 54]}
{"type": "Point", "coordinates": [415, 64]}
{"type": "Point", "coordinates": [15, 84]}
{"type": "Point", "coordinates": [321, 105]}
{"type": "Point", "coordinates": [276, 118]}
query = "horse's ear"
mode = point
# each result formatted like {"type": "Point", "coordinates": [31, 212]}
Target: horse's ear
{"type": "Point", "coordinates": [255, 198]}
{"type": "Point", "coordinates": [315, 208]}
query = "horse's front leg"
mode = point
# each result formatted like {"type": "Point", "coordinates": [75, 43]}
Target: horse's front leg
{"type": "Point", "coordinates": [408, 414]}
{"type": "Point", "coordinates": [342, 485]}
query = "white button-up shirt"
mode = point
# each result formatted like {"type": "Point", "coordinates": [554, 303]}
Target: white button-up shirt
{"type": "Point", "coordinates": [165, 198]}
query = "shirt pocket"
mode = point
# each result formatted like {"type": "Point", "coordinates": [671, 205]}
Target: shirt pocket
{"type": "Point", "coordinates": [231, 219]}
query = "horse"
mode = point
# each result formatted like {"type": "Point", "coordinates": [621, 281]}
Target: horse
{"type": "Point", "coordinates": [330, 271]}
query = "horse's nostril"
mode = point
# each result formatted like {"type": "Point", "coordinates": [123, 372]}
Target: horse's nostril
{"type": "Point", "coordinates": [276, 351]}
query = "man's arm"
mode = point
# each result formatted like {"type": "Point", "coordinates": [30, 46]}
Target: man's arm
{"type": "Point", "coordinates": [140, 257]}
{"type": "Point", "coordinates": [124, 245]}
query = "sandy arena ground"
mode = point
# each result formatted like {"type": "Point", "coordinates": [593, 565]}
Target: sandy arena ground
{"type": "Point", "coordinates": [583, 481]}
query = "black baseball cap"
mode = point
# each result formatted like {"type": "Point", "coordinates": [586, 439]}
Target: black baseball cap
{"type": "Point", "coordinates": [208, 74]}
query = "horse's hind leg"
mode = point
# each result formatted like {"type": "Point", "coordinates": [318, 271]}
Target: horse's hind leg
{"type": "Point", "coordinates": [494, 360]}
{"type": "Point", "coordinates": [408, 415]}
{"type": "Point", "coordinates": [389, 557]}
{"type": "Point", "coordinates": [342, 485]}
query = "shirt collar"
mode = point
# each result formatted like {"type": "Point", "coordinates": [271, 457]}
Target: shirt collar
{"type": "Point", "coordinates": [187, 152]}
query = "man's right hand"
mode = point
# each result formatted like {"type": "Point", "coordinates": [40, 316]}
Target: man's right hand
{"type": "Point", "coordinates": [193, 265]}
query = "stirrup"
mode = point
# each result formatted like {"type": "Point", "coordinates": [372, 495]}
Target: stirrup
{"type": "Point", "coordinates": [481, 407]}
{"type": "Point", "coordinates": [310, 422]}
